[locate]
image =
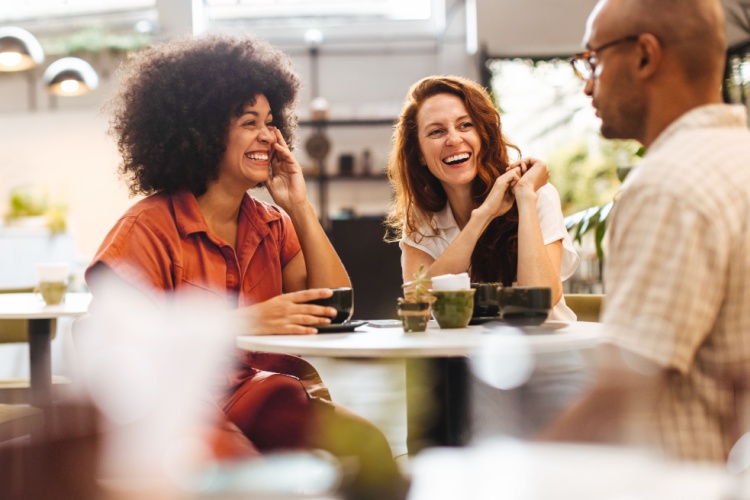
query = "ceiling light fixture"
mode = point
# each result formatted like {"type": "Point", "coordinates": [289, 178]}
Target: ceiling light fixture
{"type": "Point", "coordinates": [19, 50]}
{"type": "Point", "coordinates": [70, 76]}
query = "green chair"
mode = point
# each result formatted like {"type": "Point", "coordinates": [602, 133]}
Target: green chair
{"type": "Point", "coordinates": [587, 306]}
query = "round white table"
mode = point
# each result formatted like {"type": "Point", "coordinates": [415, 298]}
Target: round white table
{"type": "Point", "coordinates": [369, 342]}
{"type": "Point", "coordinates": [436, 366]}
{"type": "Point", "coordinates": [31, 307]}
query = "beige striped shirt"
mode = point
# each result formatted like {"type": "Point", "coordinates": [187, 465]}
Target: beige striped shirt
{"type": "Point", "coordinates": [678, 275]}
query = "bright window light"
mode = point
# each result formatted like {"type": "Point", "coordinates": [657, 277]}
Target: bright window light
{"type": "Point", "coordinates": [11, 10]}
{"type": "Point", "coordinates": [383, 9]}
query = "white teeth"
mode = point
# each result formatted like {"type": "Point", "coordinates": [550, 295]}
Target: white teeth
{"type": "Point", "coordinates": [457, 158]}
{"type": "Point", "coordinates": [258, 156]}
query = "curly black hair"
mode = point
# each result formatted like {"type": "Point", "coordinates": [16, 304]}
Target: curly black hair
{"type": "Point", "coordinates": [176, 99]}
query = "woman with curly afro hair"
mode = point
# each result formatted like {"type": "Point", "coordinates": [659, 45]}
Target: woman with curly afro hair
{"type": "Point", "coordinates": [200, 121]}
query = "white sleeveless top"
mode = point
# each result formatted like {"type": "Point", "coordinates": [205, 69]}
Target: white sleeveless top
{"type": "Point", "coordinates": [551, 223]}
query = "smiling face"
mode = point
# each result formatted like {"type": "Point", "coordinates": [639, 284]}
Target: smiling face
{"type": "Point", "coordinates": [249, 146]}
{"type": "Point", "coordinates": [448, 140]}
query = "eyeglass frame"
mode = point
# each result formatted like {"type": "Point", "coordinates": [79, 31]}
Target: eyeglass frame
{"type": "Point", "coordinates": [587, 56]}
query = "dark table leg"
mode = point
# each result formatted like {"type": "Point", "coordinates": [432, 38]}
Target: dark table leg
{"type": "Point", "coordinates": [40, 361]}
{"type": "Point", "coordinates": [437, 403]}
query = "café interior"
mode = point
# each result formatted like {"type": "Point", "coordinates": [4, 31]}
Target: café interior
{"type": "Point", "coordinates": [60, 194]}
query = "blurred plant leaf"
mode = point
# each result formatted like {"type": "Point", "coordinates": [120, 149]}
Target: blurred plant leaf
{"type": "Point", "coordinates": [590, 219]}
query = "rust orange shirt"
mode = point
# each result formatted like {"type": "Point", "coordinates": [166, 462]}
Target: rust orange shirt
{"type": "Point", "coordinates": [163, 242]}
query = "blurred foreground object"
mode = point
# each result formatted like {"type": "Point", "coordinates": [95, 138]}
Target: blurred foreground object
{"type": "Point", "coordinates": [148, 370]}
{"type": "Point", "coordinates": [60, 460]}
{"type": "Point", "coordinates": [522, 471]}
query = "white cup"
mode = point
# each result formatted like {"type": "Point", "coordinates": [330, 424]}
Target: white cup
{"type": "Point", "coordinates": [53, 281]}
{"type": "Point", "coordinates": [451, 282]}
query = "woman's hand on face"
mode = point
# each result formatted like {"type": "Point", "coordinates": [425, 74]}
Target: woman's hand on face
{"type": "Point", "coordinates": [286, 184]}
{"type": "Point", "coordinates": [534, 174]}
{"type": "Point", "coordinates": [288, 313]}
{"type": "Point", "coordinates": [501, 196]}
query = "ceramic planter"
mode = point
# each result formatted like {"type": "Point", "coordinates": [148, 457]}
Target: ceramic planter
{"type": "Point", "coordinates": [453, 308]}
{"type": "Point", "coordinates": [414, 315]}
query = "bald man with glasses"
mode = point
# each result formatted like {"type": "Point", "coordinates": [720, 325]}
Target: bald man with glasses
{"type": "Point", "coordinates": [677, 275]}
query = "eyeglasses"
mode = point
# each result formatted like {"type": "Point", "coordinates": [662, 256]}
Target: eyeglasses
{"type": "Point", "coordinates": [584, 64]}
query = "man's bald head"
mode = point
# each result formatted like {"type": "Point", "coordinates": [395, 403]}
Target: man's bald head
{"type": "Point", "coordinates": [692, 30]}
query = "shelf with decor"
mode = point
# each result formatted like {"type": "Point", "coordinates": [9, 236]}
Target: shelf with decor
{"type": "Point", "coordinates": [318, 146]}
{"type": "Point", "coordinates": [353, 122]}
{"type": "Point", "coordinates": [353, 177]}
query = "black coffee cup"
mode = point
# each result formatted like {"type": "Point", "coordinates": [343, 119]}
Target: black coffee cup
{"type": "Point", "coordinates": [486, 299]}
{"type": "Point", "coordinates": [342, 300]}
{"type": "Point", "coordinates": [525, 305]}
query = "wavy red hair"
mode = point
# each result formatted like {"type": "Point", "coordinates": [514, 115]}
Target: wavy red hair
{"type": "Point", "coordinates": [419, 194]}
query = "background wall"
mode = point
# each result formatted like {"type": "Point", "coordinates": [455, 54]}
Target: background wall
{"type": "Point", "coordinates": [61, 144]}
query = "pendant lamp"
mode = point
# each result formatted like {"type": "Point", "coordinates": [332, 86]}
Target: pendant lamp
{"type": "Point", "coordinates": [70, 76]}
{"type": "Point", "coordinates": [19, 50]}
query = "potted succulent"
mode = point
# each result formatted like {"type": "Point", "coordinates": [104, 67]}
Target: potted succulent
{"type": "Point", "coordinates": [415, 307]}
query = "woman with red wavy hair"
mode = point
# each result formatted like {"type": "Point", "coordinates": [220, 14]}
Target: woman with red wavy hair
{"type": "Point", "coordinates": [462, 205]}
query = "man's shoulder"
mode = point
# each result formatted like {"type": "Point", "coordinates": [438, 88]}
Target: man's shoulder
{"type": "Point", "coordinates": [697, 163]}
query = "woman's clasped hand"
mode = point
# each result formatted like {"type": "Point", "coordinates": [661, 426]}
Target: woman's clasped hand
{"type": "Point", "coordinates": [523, 174]}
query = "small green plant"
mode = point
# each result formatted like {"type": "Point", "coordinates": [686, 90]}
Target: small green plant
{"type": "Point", "coordinates": [418, 290]}
{"type": "Point", "coordinates": [27, 202]}
{"type": "Point", "coordinates": [415, 307]}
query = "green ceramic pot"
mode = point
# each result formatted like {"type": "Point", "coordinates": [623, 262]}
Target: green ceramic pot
{"type": "Point", "coordinates": [453, 308]}
{"type": "Point", "coordinates": [414, 316]}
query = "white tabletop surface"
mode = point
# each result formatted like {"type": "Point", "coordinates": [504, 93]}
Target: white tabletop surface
{"type": "Point", "coordinates": [517, 470]}
{"type": "Point", "coordinates": [367, 342]}
{"type": "Point", "coordinates": [31, 306]}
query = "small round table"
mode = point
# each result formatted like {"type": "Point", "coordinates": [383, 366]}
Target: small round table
{"type": "Point", "coordinates": [31, 307]}
{"type": "Point", "coordinates": [441, 353]}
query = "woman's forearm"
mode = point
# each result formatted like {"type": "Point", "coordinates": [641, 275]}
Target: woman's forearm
{"type": "Point", "coordinates": [323, 265]}
{"type": "Point", "coordinates": [457, 257]}
{"type": "Point", "coordinates": [534, 265]}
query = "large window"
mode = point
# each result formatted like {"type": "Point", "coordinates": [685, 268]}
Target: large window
{"type": "Point", "coordinates": [336, 19]}
{"type": "Point", "coordinates": [22, 10]}
{"type": "Point", "coordinates": [737, 82]}
{"type": "Point", "coordinates": [322, 9]}
{"type": "Point", "coordinates": [546, 114]}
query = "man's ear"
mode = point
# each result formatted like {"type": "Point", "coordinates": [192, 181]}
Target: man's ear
{"type": "Point", "coordinates": [650, 51]}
